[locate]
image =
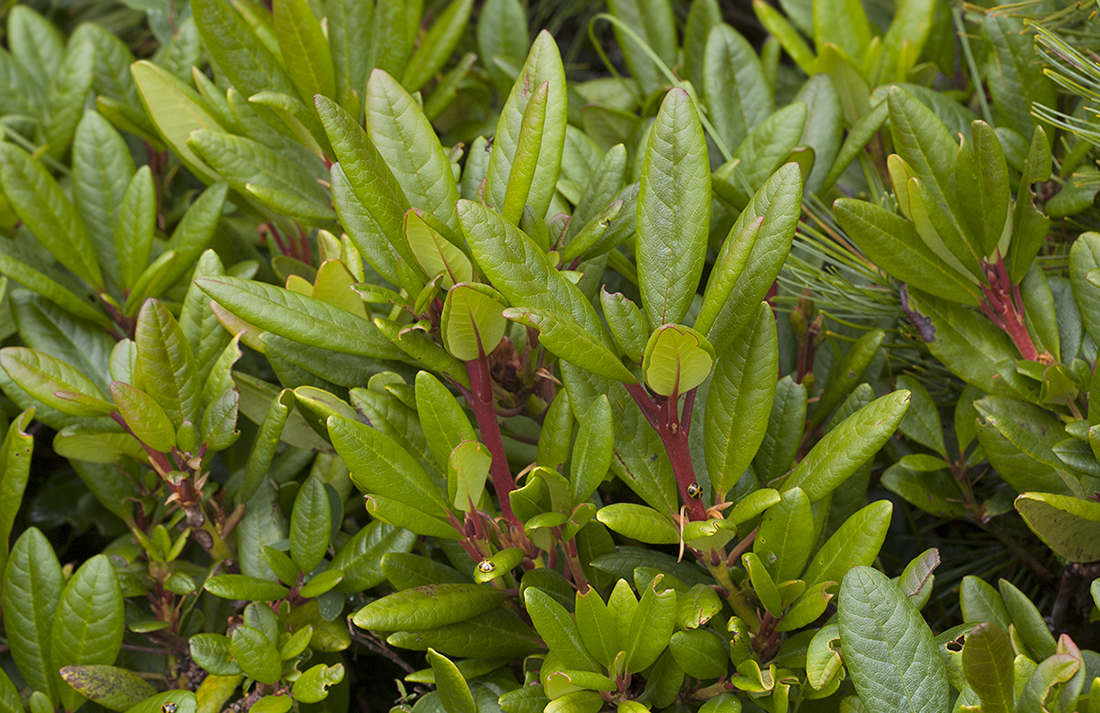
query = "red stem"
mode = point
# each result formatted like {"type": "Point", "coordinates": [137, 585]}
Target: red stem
{"type": "Point", "coordinates": [481, 401]}
{"type": "Point", "coordinates": [675, 439]}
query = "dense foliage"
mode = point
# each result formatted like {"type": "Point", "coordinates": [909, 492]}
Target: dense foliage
{"type": "Point", "coordinates": [689, 357]}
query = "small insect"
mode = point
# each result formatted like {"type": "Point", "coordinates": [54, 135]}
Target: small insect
{"type": "Point", "coordinates": [168, 708]}
{"type": "Point", "coordinates": [694, 491]}
{"type": "Point", "coordinates": [484, 566]}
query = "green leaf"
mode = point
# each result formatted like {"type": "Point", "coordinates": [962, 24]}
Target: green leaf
{"type": "Point", "coordinates": [653, 23]}
{"type": "Point", "coordinates": [135, 227]}
{"type": "Point", "coordinates": [981, 178]}
{"type": "Point", "coordinates": [67, 93]}
{"type": "Point", "coordinates": [298, 317]}
{"type": "Point", "coordinates": [238, 52]}
{"type": "Point", "coordinates": [843, 24]}
{"type": "Point", "coordinates": [41, 204]}
{"type": "Point", "coordinates": [1030, 225]}
{"type": "Point", "coordinates": [922, 420]}
{"type": "Point", "coordinates": [410, 608]}
{"type": "Point", "coordinates": [301, 37]}
{"type": "Point", "coordinates": [274, 179]}
{"type": "Point", "coordinates": [310, 525]}
{"type": "Point", "coordinates": [558, 629]}
{"type": "Point", "coordinates": [564, 337]}
{"type": "Point", "coordinates": [597, 627]}
{"type": "Point", "coordinates": [700, 653]}
{"type": "Point", "coordinates": [892, 242]}
{"type": "Point", "coordinates": [1069, 526]}
{"type": "Point", "coordinates": [470, 463]}
{"type": "Point", "coordinates": [525, 161]}
{"type": "Point", "coordinates": [640, 522]}
{"type": "Point", "coordinates": [1015, 72]}
{"type": "Point", "coordinates": [502, 32]}
{"type": "Point", "coordinates": [651, 627]}
{"type": "Point", "coordinates": [32, 590]}
{"type": "Point", "coordinates": [88, 623]}
{"type": "Point", "coordinates": [472, 324]}
{"type": "Point", "coordinates": [36, 44]}
{"type": "Point", "coordinates": [1084, 256]}
{"type": "Point", "coordinates": [847, 374]}
{"type": "Point", "coordinates": [926, 146]}
{"type": "Point", "coordinates": [522, 272]}
{"type": "Point", "coordinates": [848, 446]}
{"type": "Point", "coordinates": [379, 203]}
{"type": "Point", "coordinates": [784, 432]}
{"type": "Point", "coordinates": [733, 84]}
{"type": "Point", "coordinates": [543, 65]}
{"type": "Point", "coordinates": [437, 45]}
{"type": "Point", "coordinates": [379, 466]}
{"type": "Point", "coordinates": [54, 383]}
{"type": "Point", "coordinates": [592, 451]}
{"type": "Point", "coordinates": [263, 448]}
{"type": "Point", "coordinates": [312, 686]}
{"type": "Point", "coordinates": [113, 688]}
{"type": "Point", "coordinates": [101, 168]}
{"type": "Point", "coordinates": [255, 654]}
{"type": "Point", "coordinates": [176, 110]}
{"type": "Point", "coordinates": [628, 324]}
{"type": "Point", "coordinates": [350, 25]}
{"type": "Point", "coordinates": [677, 360]}
{"type": "Point", "coordinates": [739, 403]}
{"type": "Point", "coordinates": [144, 417]}
{"type": "Point", "coordinates": [987, 662]}
{"type": "Point", "coordinates": [1028, 622]}
{"type": "Point", "coordinates": [763, 584]}
{"type": "Point", "coordinates": [434, 253]}
{"type": "Point", "coordinates": [15, 463]}
{"type": "Point", "coordinates": [785, 536]}
{"type": "Point", "coordinates": [165, 367]}
{"type": "Point", "coordinates": [454, 693]}
{"type": "Point", "coordinates": [888, 648]}
{"type": "Point", "coordinates": [732, 288]}
{"type": "Point", "coordinates": [407, 143]}
{"type": "Point", "coordinates": [212, 652]}
{"type": "Point", "coordinates": [673, 210]}
{"type": "Point", "coordinates": [245, 588]}
{"type": "Point", "coordinates": [855, 543]}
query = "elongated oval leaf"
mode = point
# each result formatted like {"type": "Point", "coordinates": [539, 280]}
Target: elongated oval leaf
{"type": "Point", "coordinates": [888, 648]}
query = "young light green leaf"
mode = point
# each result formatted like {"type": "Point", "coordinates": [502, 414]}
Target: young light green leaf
{"type": "Point", "coordinates": [592, 451]}
{"type": "Point", "coordinates": [525, 161]}
{"type": "Point", "coordinates": [673, 210]}
{"type": "Point", "coordinates": [858, 438]}
{"type": "Point", "coordinates": [236, 49]}
{"type": "Point", "coordinates": [558, 629]}
{"type": "Point", "coordinates": [562, 336]}
{"type": "Point", "coordinates": [255, 654]}
{"type": "Point", "coordinates": [652, 22]}
{"type": "Point", "coordinates": [543, 65]}
{"type": "Point", "coordinates": [53, 382]}
{"type": "Point", "coordinates": [785, 536]}
{"type": "Point", "coordinates": [651, 627]}
{"type": "Point", "coordinates": [677, 360]}
{"type": "Point", "coordinates": [855, 543]}
{"type": "Point", "coordinates": [472, 324]}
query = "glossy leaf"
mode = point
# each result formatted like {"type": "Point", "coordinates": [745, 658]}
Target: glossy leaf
{"type": "Point", "coordinates": [673, 210]}
{"type": "Point", "coordinates": [450, 604]}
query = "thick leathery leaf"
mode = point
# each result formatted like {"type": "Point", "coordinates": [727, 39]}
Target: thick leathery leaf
{"type": "Point", "coordinates": [558, 629]}
{"type": "Point", "coordinates": [437, 45]}
{"type": "Point", "coordinates": [848, 446]}
{"type": "Point", "coordinates": [1069, 526]}
{"type": "Point", "coordinates": [115, 688]}
{"type": "Point", "coordinates": [410, 608]}
{"type": "Point", "coordinates": [302, 39]}
{"type": "Point", "coordinates": [165, 366]}
{"type": "Point", "coordinates": [739, 403]}
{"type": "Point", "coordinates": [298, 317]}
{"type": "Point", "coordinates": [673, 210]}
{"type": "Point", "coordinates": [88, 623]}
{"type": "Point", "coordinates": [562, 336]}
{"type": "Point", "coordinates": [237, 51]}
{"type": "Point", "coordinates": [543, 65]}
{"type": "Point", "coordinates": [32, 589]}
{"type": "Point", "coordinates": [888, 648]}
{"type": "Point", "coordinates": [733, 84]}
{"type": "Point", "coordinates": [310, 525]}
{"type": "Point", "coordinates": [855, 543]}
